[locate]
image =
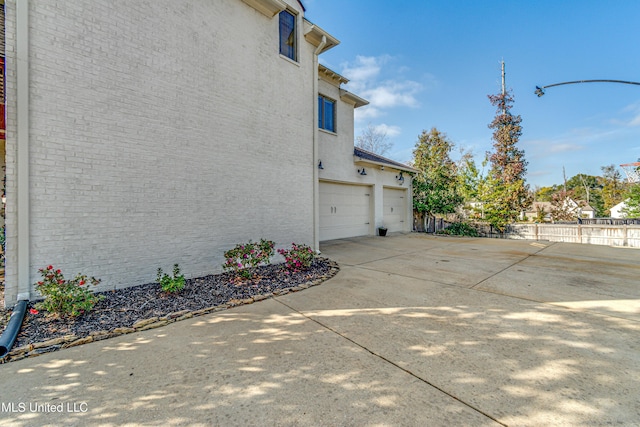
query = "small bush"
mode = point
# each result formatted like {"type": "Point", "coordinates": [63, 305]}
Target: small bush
{"type": "Point", "coordinates": [171, 284]}
{"type": "Point", "coordinates": [299, 257]}
{"type": "Point", "coordinates": [460, 229]}
{"type": "Point", "coordinates": [66, 297]}
{"type": "Point", "coordinates": [246, 256]}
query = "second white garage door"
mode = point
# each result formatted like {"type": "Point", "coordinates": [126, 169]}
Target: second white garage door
{"type": "Point", "coordinates": [345, 210]}
{"type": "Point", "coordinates": [395, 209]}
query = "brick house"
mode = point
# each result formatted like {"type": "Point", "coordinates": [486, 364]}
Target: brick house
{"type": "Point", "coordinates": [143, 134]}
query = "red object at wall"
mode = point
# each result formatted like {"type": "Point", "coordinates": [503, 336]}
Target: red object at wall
{"type": "Point", "coordinates": [2, 121]}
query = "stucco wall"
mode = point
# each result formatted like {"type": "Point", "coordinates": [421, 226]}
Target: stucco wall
{"type": "Point", "coordinates": [160, 132]}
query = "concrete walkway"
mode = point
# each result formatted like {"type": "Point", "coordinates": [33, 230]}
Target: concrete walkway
{"type": "Point", "coordinates": [414, 331]}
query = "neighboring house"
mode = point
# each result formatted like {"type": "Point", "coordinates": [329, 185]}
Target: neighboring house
{"type": "Point", "coordinates": [580, 208]}
{"type": "Point", "coordinates": [616, 211]}
{"type": "Point", "coordinates": [359, 191]}
{"type": "Point", "coordinates": [586, 210]}
{"type": "Point", "coordinates": [574, 208]}
{"type": "Point", "coordinates": [143, 134]}
{"type": "Point", "coordinates": [538, 209]}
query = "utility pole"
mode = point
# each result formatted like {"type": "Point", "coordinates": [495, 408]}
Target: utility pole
{"type": "Point", "coordinates": [504, 88]}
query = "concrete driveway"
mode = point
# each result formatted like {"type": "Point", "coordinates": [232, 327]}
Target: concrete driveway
{"type": "Point", "coordinates": [414, 331]}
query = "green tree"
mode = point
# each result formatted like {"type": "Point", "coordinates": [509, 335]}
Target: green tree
{"type": "Point", "coordinates": [508, 193]}
{"type": "Point", "coordinates": [468, 177]}
{"type": "Point", "coordinates": [435, 190]}
{"type": "Point", "coordinates": [545, 194]}
{"type": "Point", "coordinates": [587, 188]}
{"type": "Point", "coordinates": [633, 202]}
{"type": "Point", "coordinates": [612, 186]}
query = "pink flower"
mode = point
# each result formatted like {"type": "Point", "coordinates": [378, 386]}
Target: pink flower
{"type": "Point", "coordinates": [50, 267]}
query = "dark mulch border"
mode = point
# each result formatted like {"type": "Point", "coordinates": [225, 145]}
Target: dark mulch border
{"type": "Point", "coordinates": [123, 308]}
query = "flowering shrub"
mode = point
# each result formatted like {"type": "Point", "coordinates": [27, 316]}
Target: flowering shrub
{"type": "Point", "coordinates": [244, 257]}
{"type": "Point", "coordinates": [299, 257]}
{"type": "Point", "coordinates": [171, 284]}
{"type": "Point", "coordinates": [66, 297]}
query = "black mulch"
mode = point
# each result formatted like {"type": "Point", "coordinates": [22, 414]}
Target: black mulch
{"type": "Point", "coordinates": [124, 307]}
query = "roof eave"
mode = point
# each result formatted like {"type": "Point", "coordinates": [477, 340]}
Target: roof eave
{"type": "Point", "coordinates": [313, 34]}
{"type": "Point", "coordinates": [269, 8]}
{"type": "Point", "coordinates": [357, 102]}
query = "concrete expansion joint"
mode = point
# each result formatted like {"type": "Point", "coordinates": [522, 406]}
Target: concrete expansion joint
{"type": "Point", "coordinates": [390, 362]}
{"type": "Point", "coordinates": [509, 266]}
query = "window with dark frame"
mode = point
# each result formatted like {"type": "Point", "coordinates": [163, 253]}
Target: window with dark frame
{"type": "Point", "coordinates": [288, 35]}
{"type": "Point", "coordinates": [326, 113]}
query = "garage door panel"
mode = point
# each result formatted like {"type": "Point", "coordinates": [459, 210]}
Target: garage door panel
{"type": "Point", "coordinates": [344, 210]}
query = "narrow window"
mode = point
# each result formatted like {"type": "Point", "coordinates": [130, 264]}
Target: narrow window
{"type": "Point", "coordinates": [288, 35]}
{"type": "Point", "coordinates": [326, 113]}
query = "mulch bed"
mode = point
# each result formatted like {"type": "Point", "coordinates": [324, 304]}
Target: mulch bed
{"type": "Point", "coordinates": [123, 307]}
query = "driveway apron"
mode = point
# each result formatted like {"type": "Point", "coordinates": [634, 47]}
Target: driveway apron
{"type": "Point", "coordinates": [415, 330]}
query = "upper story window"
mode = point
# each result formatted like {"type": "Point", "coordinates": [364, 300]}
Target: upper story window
{"type": "Point", "coordinates": [326, 113]}
{"type": "Point", "coordinates": [288, 35]}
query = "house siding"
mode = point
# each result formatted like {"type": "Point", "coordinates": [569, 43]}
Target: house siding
{"type": "Point", "coordinates": [160, 132]}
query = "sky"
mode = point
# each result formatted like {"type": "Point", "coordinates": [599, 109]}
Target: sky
{"type": "Point", "coordinates": [432, 63]}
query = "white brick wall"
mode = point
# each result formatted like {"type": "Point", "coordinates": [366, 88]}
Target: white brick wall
{"type": "Point", "coordinates": [336, 152]}
{"type": "Point", "coordinates": [160, 132]}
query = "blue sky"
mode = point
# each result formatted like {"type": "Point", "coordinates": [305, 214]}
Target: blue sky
{"type": "Point", "coordinates": [428, 63]}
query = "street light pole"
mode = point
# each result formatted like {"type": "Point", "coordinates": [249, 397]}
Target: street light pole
{"type": "Point", "coordinates": [540, 90]}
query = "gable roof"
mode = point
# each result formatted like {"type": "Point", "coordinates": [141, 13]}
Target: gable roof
{"type": "Point", "coordinates": [368, 156]}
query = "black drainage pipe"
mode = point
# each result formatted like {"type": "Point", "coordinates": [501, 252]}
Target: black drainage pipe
{"type": "Point", "coordinates": [11, 331]}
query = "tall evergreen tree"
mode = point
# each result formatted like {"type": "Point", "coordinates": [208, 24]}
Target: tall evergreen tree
{"type": "Point", "coordinates": [508, 193]}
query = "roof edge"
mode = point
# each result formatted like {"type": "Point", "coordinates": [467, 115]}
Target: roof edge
{"type": "Point", "coordinates": [365, 156]}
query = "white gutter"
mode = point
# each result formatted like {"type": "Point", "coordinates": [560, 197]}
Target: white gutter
{"type": "Point", "coordinates": [316, 184]}
{"type": "Point", "coordinates": [22, 141]}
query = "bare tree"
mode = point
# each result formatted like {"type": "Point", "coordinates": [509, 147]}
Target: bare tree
{"type": "Point", "coordinates": [374, 140]}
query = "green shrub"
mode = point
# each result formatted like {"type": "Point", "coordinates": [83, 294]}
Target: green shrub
{"type": "Point", "coordinates": [171, 284]}
{"type": "Point", "coordinates": [246, 256]}
{"type": "Point", "coordinates": [299, 257]}
{"type": "Point", "coordinates": [66, 297]}
{"type": "Point", "coordinates": [460, 229]}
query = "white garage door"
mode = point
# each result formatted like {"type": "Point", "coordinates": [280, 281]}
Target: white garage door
{"type": "Point", "coordinates": [395, 209]}
{"type": "Point", "coordinates": [345, 210]}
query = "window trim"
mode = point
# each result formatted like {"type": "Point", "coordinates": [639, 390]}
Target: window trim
{"type": "Point", "coordinates": [321, 113]}
{"type": "Point", "coordinates": [293, 35]}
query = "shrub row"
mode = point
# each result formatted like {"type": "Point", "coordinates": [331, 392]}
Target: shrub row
{"type": "Point", "coordinates": [72, 297]}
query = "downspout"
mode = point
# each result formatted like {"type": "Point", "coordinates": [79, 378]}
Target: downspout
{"type": "Point", "coordinates": [11, 331]}
{"type": "Point", "coordinates": [22, 141]}
{"type": "Point", "coordinates": [316, 184]}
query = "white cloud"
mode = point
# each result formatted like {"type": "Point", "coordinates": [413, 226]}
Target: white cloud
{"type": "Point", "coordinates": [391, 94]}
{"type": "Point", "coordinates": [563, 148]}
{"type": "Point", "coordinates": [364, 70]}
{"type": "Point", "coordinates": [391, 131]}
{"type": "Point", "coordinates": [634, 111]}
{"type": "Point", "coordinates": [366, 113]}
{"type": "Point", "coordinates": [369, 77]}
